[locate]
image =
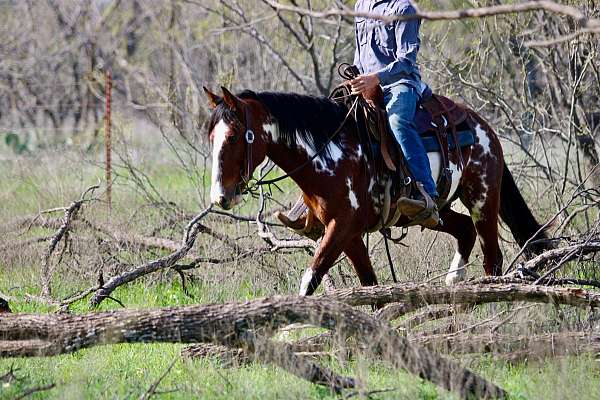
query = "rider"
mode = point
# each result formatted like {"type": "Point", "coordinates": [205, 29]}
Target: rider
{"type": "Point", "coordinates": [386, 55]}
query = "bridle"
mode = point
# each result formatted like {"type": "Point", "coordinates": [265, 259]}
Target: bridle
{"type": "Point", "coordinates": [249, 136]}
{"type": "Point", "coordinates": [347, 72]}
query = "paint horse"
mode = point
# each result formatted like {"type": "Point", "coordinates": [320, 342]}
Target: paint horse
{"type": "Point", "coordinates": [337, 180]}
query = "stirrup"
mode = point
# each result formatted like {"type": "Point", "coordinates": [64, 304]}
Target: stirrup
{"type": "Point", "coordinates": [420, 212]}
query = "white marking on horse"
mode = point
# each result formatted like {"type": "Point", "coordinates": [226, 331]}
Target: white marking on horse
{"type": "Point", "coordinates": [336, 152]}
{"type": "Point", "coordinates": [457, 271]}
{"type": "Point", "coordinates": [476, 215]}
{"type": "Point", "coordinates": [272, 130]}
{"type": "Point", "coordinates": [351, 195]}
{"type": "Point", "coordinates": [435, 162]}
{"type": "Point", "coordinates": [483, 140]}
{"type": "Point", "coordinates": [371, 184]}
{"type": "Point", "coordinates": [322, 164]}
{"type": "Point", "coordinates": [358, 152]}
{"type": "Point", "coordinates": [306, 278]}
{"type": "Point", "coordinates": [216, 186]}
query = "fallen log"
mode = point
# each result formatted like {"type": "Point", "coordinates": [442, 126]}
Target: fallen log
{"type": "Point", "coordinates": [422, 295]}
{"type": "Point", "coordinates": [538, 346]}
{"type": "Point", "coordinates": [226, 355]}
{"type": "Point", "coordinates": [230, 325]}
{"type": "Point", "coordinates": [566, 253]}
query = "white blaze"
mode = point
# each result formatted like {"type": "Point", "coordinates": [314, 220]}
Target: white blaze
{"type": "Point", "coordinates": [216, 186]}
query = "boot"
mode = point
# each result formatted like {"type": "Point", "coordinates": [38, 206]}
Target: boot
{"type": "Point", "coordinates": [422, 209]}
{"type": "Point", "coordinates": [302, 221]}
{"type": "Point", "coordinates": [295, 218]}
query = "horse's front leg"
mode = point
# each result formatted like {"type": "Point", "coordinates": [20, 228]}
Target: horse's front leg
{"type": "Point", "coordinates": [333, 243]}
{"type": "Point", "coordinates": [359, 257]}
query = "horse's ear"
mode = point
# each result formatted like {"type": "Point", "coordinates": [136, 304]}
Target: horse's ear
{"type": "Point", "coordinates": [230, 99]}
{"type": "Point", "coordinates": [213, 99]}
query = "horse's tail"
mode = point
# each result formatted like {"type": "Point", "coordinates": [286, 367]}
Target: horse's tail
{"type": "Point", "coordinates": [515, 213]}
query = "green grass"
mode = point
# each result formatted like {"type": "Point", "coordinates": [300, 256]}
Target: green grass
{"type": "Point", "coordinates": [127, 371]}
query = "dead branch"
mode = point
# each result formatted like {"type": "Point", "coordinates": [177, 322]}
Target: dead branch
{"type": "Point", "coordinates": [549, 344]}
{"type": "Point", "coordinates": [280, 354]}
{"type": "Point", "coordinates": [420, 295]}
{"type": "Point", "coordinates": [394, 310]}
{"type": "Point", "coordinates": [189, 237]}
{"type": "Point", "coordinates": [70, 213]}
{"type": "Point", "coordinates": [226, 355]}
{"type": "Point", "coordinates": [36, 389]}
{"type": "Point", "coordinates": [269, 237]}
{"type": "Point", "coordinates": [229, 324]}
{"type": "Point", "coordinates": [530, 279]}
{"type": "Point", "coordinates": [564, 254]}
{"type": "Point", "coordinates": [152, 389]}
{"type": "Point", "coordinates": [480, 12]}
{"type": "Point", "coordinates": [540, 345]}
{"type": "Point", "coordinates": [426, 316]}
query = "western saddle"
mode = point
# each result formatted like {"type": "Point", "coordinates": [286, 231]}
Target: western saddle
{"type": "Point", "coordinates": [436, 116]}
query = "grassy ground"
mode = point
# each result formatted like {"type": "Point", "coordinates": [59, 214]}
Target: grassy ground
{"type": "Point", "coordinates": [127, 371]}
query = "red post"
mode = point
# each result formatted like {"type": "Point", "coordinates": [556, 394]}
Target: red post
{"type": "Point", "coordinates": [107, 136]}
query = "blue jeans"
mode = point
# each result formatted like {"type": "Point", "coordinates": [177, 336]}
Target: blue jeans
{"type": "Point", "coordinates": [401, 106]}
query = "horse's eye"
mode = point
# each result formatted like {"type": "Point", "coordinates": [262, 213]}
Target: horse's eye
{"type": "Point", "coordinates": [233, 138]}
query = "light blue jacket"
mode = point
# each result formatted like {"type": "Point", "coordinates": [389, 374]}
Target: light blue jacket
{"type": "Point", "coordinates": [389, 50]}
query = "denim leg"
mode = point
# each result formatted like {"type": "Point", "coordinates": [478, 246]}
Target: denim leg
{"type": "Point", "coordinates": [401, 105]}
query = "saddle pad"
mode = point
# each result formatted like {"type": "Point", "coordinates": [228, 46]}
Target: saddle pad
{"type": "Point", "coordinates": [465, 138]}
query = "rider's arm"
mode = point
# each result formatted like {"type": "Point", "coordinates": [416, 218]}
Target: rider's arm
{"type": "Point", "coordinates": [407, 47]}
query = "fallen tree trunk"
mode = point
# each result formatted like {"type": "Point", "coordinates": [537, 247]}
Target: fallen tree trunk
{"type": "Point", "coordinates": [564, 254]}
{"type": "Point", "coordinates": [422, 295]}
{"type": "Point", "coordinates": [559, 344]}
{"type": "Point", "coordinates": [229, 324]}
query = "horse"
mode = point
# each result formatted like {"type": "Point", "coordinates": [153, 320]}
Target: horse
{"type": "Point", "coordinates": [296, 132]}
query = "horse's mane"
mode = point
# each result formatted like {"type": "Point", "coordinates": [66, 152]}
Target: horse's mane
{"type": "Point", "coordinates": [300, 118]}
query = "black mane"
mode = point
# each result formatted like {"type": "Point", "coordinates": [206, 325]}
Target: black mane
{"type": "Point", "coordinates": [309, 119]}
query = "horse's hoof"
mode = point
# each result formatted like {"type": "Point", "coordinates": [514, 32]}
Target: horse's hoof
{"type": "Point", "coordinates": [455, 277]}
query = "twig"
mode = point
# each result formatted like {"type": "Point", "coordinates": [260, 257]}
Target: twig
{"type": "Point", "coordinates": [152, 389]}
{"type": "Point", "coordinates": [70, 213]}
{"type": "Point", "coordinates": [192, 230]}
{"type": "Point", "coordinates": [33, 390]}
{"type": "Point", "coordinates": [449, 15]}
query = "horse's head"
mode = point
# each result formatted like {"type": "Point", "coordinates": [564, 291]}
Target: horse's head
{"type": "Point", "coordinates": [235, 131]}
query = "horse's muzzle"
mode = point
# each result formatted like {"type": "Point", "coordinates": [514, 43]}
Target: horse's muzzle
{"type": "Point", "coordinates": [223, 202]}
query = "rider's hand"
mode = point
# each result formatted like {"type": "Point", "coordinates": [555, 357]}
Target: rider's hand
{"type": "Point", "coordinates": [364, 83]}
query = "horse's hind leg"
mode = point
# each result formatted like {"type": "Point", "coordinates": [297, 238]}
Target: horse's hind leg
{"type": "Point", "coordinates": [484, 208]}
{"type": "Point", "coordinates": [461, 227]}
